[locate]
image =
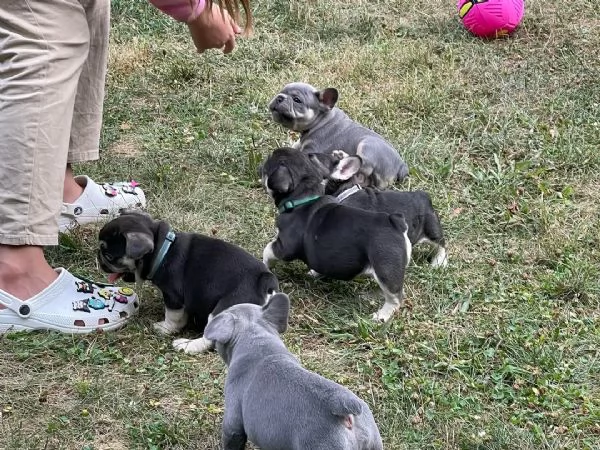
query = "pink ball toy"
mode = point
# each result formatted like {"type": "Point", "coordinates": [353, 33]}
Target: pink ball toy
{"type": "Point", "coordinates": [491, 18]}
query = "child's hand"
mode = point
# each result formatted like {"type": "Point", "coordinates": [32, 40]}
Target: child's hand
{"type": "Point", "coordinates": [214, 29]}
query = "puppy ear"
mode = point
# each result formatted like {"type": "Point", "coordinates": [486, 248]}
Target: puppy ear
{"type": "Point", "coordinates": [281, 180]}
{"type": "Point", "coordinates": [277, 311]}
{"type": "Point", "coordinates": [328, 97]}
{"type": "Point", "coordinates": [138, 244]}
{"type": "Point", "coordinates": [346, 168]}
{"type": "Point", "coordinates": [221, 328]}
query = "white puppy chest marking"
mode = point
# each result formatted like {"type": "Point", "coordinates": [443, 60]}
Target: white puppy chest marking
{"type": "Point", "coordinates": [268, 254]}
{"type": "Point", "coordinates": [175, 320]}
{"type": "Point", "coordinates": [391, 305]}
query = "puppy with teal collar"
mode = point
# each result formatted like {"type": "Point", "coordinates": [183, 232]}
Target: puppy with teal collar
{"type": "Point", "coordinates": [334, 240]}
{"type": "Point", "coordinates": [199, 276]}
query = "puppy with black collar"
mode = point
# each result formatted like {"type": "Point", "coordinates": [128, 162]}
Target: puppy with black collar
{"type": "Point", "coordinates": [334, 240]}
{"type": "Point", "coordinates": [340, 171]}
{"type": "Point", "coordinates": [199, 276]}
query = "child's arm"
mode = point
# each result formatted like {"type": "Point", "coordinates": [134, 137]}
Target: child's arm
{"type": "Point", "coordinates": [181, 10]}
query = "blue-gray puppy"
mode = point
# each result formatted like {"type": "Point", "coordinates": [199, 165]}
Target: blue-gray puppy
{"type": "Point", "coordinates": [271, 400]}
{"type": "Point", "coordinates": [325, 128]}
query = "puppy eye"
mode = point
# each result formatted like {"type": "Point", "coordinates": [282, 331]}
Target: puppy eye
{"type": "Point", "coordinates": [296, 99]}
{"type": "Point", "coordinates": [108, 257]}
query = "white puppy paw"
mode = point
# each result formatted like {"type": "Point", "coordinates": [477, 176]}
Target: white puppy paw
{"type": "Point", "coordinates": [339, 154]}
{"type": "Point", "coordinates": [192, 346]}
{"type": "Point", "coordinates": [383, 316]}
{"type": "Point", "coordinates": [164, 328]}
{"type": "Point", "coordinates": [440, 260]}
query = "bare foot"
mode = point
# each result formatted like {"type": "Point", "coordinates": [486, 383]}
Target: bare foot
{"type": "Point", "coordinates": [24, 271]}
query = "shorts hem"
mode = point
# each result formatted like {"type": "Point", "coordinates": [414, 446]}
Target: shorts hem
{"type": "Point", "coordinates": [29, 239]}
{"type": "Point", "coordinates": [85, 156]}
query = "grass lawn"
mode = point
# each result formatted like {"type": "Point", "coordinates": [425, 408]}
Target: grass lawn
{"type": "Point", "coordinates": [499, 351]}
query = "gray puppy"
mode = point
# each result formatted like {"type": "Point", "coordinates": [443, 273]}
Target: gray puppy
{"type": "Point", "coordinates": [271, 400]}
{"type": "Point", "coordinates": [325, 128]}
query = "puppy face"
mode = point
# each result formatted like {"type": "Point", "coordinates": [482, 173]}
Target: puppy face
{"type": "Point", "coordinates": [123, 243]}
{"type": "Point", "coordinates": [288, 170]}
{"type": "Point", "coordinates": [298, 105]}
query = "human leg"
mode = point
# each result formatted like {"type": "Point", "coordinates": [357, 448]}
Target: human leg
{"type": "Point", "coordinates": [84, 200]}
{"type": "Point", "coordinates": [43, 46]}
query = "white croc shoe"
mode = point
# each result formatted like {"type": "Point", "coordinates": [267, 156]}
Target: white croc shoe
{"type": "Point", "coordinates": [69, 305]}
{"type": "Point", "coordinates": [99, 202]}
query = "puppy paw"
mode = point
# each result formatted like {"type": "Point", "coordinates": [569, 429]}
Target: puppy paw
{"type": "Point", "coordinates": [164, 328]}
{"type": "Point", "coordinates": [193, 346]}
{"type": "Point", "coordinates": [439, 264]}
{"type": "Point", "coordinates": [339, 154]}
{"type": "Point", "coordinates": [382, 316]}
{"type": "Point", "coordinates": [314, 274]}
{"type": "Point", "coordinates": [440, 260]}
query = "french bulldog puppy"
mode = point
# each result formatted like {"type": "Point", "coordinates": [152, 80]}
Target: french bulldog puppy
{"type": "Point", "coordinates": [334, 240]}
{"type": "Point", "coordinates": [271, 400]}
{"type": "Point", "coordinates": [324, 128]}
{"type": "Point", "coordinates": [199, 276]}
{"type": "Point", "coordinates": [423, 221]}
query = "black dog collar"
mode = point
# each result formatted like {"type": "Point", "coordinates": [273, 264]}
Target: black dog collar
{"type": "Point", "coordinates": [291, 204]}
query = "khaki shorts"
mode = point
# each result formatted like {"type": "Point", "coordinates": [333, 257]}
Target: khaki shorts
{"type": "Point", "coordinates": [53, 57]}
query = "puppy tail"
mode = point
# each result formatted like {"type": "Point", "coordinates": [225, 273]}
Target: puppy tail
{"type": "Point", "coordinates": [267, 286]}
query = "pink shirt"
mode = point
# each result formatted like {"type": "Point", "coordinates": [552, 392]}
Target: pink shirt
{"type": "Point", "coordinates": [181, 10]}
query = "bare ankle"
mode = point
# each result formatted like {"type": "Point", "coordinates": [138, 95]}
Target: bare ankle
{"type": "Point", "coordinates": [24, 271]}
{"type": "Point", "coordinates": [71, 189]}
